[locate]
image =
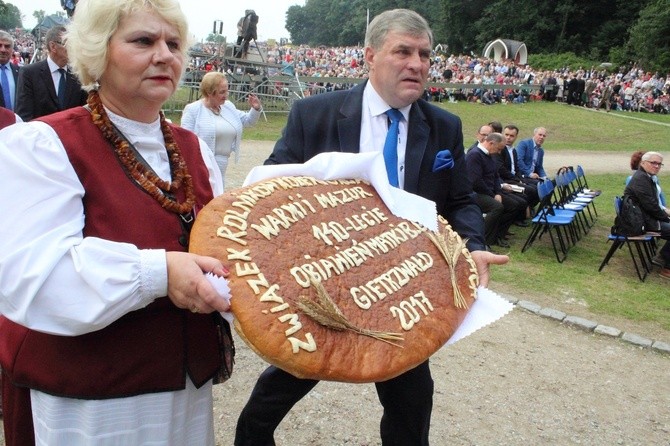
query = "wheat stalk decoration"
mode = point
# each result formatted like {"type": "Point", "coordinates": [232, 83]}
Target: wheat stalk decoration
{"type": "Point", "coordinates": [451, 248]}
{"type": "Point", "coordinates": [325, 312]}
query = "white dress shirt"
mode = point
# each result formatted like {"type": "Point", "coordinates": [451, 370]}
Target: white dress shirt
{"type": "Point", "coordinates": [510, 150]}
{"type": "Point", "coordinates": [374, 126]}
{"type": "Point", "coordinates": [55, 74]}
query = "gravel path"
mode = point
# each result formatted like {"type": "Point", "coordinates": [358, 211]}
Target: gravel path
{"type": "Point", "coordinates": [523, 380]}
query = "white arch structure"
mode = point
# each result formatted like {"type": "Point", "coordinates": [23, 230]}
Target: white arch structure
{"type": "Point", "coordinates": [507, 49]}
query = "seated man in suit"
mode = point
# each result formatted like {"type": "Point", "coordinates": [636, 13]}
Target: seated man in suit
{"type": "Point", "coordinates": [531, 155]}
{"type": "Point", "coordinates": [508, 162]}
{"type": "Point", "coordinates": [398, 45]}
{"type": "Point", "coordinates": [48, 86]}
{"type": "Point", "coordinates": [482, 133]}
{"type": "Point", "coordinates": [501, 209]}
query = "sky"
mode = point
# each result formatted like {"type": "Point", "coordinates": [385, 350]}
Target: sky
{"type": "Point", "coordinates": [201, 15]}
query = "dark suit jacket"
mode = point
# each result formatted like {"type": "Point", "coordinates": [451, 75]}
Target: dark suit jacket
{"type": "Point", "coordinates": [643, 190]}
{"type": "Point", "coordinates": [331, 122]}
{"type": "Point", "coordinates": [505, 166]}
{"type": "Point", "coordinates": [36, 95]}
{"type": "Point", "coordinates": [15, 73]}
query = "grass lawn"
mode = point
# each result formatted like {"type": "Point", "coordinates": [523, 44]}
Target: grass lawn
{"type": "Point", "coordinates": [536, 275]}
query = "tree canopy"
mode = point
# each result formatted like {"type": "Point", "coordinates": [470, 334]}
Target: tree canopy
{"type": "Point", "coordinates": [616, 31]}
{"type": "Point", "coordinates": [10, 16]}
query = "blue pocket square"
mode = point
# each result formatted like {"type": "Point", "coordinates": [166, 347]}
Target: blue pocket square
{"type": "Point", "coordinates": [443, 160]}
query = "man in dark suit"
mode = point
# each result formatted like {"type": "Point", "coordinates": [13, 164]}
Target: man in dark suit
{"type": "Point", "coordinates": [501, 209]}
{"type": "Point", "coordinates": [397, 51]}
{"type": "Point", "coordinates": [11, 71]}
{"type": "Point", "coordinates": [39, 83]}
{"type": "Point", "coordinates": [508, 167]}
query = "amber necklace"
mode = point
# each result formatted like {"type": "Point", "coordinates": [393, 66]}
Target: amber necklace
{"type": "Point", "coordinates": [162, 191]}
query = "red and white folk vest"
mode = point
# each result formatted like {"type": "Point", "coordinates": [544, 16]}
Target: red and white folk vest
{"type": "Point", "coordinates": [148, 350]}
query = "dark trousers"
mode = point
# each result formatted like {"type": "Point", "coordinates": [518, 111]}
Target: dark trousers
{"type": "Point", "coordinates": [17, 417]}
{"type": "Point", "coordinates": [499, 216]}
{"type": "Point", "coordinates": [407, 401]}
{"type": "Point", "coordinates": [530, 190]}
{"type": "Point", "coordinates": [665, 249]}
{"type": "Point", "coordinates": [515, 201]}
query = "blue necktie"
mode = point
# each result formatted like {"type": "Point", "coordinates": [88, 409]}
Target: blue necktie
{"type": "Point", "coordinates": [5, 88]}
{"type": "Point", "coordinates": [61, 88]}
{"type": "Point", "coordinates": [391, 146]}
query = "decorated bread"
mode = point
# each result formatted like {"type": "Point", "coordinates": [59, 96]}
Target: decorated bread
{"type": "Point", "coordinates": [327, 284]}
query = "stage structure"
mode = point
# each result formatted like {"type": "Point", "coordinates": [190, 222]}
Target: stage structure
{"type": "Point", "coordinates": [276, 85]}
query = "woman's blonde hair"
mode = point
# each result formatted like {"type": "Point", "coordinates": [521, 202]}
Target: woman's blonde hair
{"type": "Point", "coordinates": [210, 82]}
{"type": "Point", "coordinates": [94, 23]}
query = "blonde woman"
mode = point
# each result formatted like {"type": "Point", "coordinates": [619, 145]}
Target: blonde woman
{"type": "Point", "coordinates": [110, 332]}
{"type": "Point", "coordinates": [217, 121]}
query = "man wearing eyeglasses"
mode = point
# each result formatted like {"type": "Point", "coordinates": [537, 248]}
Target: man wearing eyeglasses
{"type": "Point", "coordinates": [644, 191]}
{"type": "Point", "coordinates": [48, 86]}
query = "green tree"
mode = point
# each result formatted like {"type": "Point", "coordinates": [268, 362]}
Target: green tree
{"type": "Point", "coordinates": [595, 30]}
{"type": "Point", "coordinates": [10, 16]}
{"type": "Point", "coordinates": [459, 24]}
{"type": "Point", "coordinates": [343, 22]}
{"type": "Point", "coordinates": [298, 24]}
{"type": "Point", "coordinates": [650, 37]}
{"type": "Point", "coordinates": [215, 38]}
{"type": "Point", "coordinates": [39, 15]}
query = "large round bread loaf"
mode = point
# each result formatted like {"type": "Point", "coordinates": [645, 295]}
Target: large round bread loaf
{"type": "Point", "coordinates": [327, 284]}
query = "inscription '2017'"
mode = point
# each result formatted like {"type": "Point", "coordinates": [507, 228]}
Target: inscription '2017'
{"type": "Point", "coordinates": [408, 312]}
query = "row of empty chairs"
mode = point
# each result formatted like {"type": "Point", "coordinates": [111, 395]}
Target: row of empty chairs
{"type": "Point", "coordinates": [566, 211]}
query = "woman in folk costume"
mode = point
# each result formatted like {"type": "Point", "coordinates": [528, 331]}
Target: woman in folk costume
{"type": "Point", "coordinates": [110, 333]}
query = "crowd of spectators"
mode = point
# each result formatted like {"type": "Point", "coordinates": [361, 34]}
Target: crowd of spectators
{"type": "Point", "coordinates": [632, 89]}
{"type": "Point", "coordinates": [24, 46]}
{"type": "Point", "coordinates": [629, 89]}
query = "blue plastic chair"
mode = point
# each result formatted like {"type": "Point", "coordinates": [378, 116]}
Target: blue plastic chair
{"type": "Point", "coordinates": [558, 224]}
{"type": "Point", "coordinates": [642, 248]}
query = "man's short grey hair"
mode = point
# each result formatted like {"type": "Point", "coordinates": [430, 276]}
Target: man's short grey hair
{"type": "Point", "coordinates": [55, 34]}
{"type": "Point", "coordinates": [404, 21]}
{"type": "Point", "coordinates": [6, 37]}
{"type": "Point", "coordinates": [494, 137]}
{"type": "Point", "coordinates": [649, 155]}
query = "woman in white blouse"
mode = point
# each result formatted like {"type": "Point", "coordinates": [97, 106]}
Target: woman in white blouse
{"type": "Point", "coordinates": [110, 333]}
{"type": "Point", "coordinates": [217, 121]}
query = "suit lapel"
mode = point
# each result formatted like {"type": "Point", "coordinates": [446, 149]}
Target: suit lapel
{"type": "Point", "coordinates": [15, 72]}
{"type": "Point", "coordinates": [349, 125]}
{"type": "Point", "coordinates": [417, 141]}
{"type": "Point", "coordinates": [72, 89]}
{"type": "Point", "coordinates": [48, 82]}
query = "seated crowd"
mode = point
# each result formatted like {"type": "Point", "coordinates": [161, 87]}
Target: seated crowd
{"type": "Point", "coordinates": [630, 89]}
